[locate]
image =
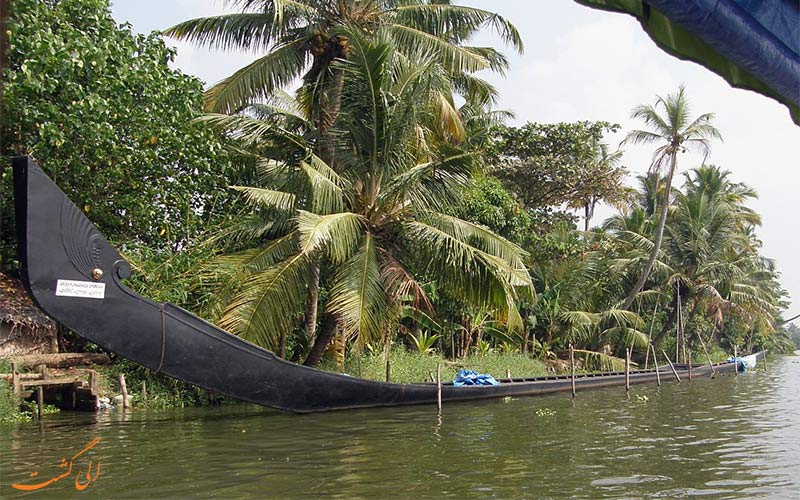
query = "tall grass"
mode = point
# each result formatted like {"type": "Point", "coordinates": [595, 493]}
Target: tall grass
{"type": "Point", "coordinates": [409, 367]}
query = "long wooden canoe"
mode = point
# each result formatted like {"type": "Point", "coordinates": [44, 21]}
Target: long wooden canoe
{"type": "Point", "coordinates": [76, 276]}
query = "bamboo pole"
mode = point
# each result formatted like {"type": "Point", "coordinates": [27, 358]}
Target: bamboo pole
{"type": "Point", "coordinates": [735, 361]}
{"type": "Point", "coordinates": [123, 390]}
{"type": "Point", "coordinates": [708, 357]}
{"type": "Point", "coordinates": [572, 365]}
{"type": "Point", "coordinates": [628, 371]}
{"type": "Point", "coordinates": [439, 388]}
{"type": "Point", "coordinates": [674, 371]}
{"type": "Point", "coordinates": [655, 363]}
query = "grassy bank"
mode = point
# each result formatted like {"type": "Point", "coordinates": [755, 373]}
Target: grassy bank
{"type": "Point", "coordinates": [408, 367]}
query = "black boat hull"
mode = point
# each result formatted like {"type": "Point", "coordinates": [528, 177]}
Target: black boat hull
{"type": "Point", "coordinates": [75, 275]}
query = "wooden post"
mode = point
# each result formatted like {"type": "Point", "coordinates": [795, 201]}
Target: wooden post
{"type": "Point", "coordinates": [735, 361]}
{"type": "Point", "coordinates": [124, 390]}
{"type": "Point", "coordinates": [627, 371]}
{"type": "Point", "coordinates": [144, 391]}
{"type": "Point", "coordinates": [40, 392]}
{"type": "Point", "coordinates": [388, 369]}
{"type": "Point", "coordinates": [708, 357]}
{"type": "Point", "coordinates": [15, 387]}
{"type": "Point", "coordinates": [439, 388]}
{"type": "Point", "coordinates": [572, 365]}
{"type": "Point", "coordinates": [508, 375]}
{"type": "Point", "coordinates": [650, 338]}
{"type": "Point", "coordinates": [40, 402]}
{"type": "Point", "coordinates": [765, 360]}
{"type": "Point", "coordinates": [674, 372]}
{"type": "Point", "coordinates": [655, 363]}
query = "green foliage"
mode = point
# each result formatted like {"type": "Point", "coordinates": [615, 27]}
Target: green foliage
{"type": "Point", "coordinates": [104, 115]}
{"type": "Point", "coordinates": [423, 341]}
{"type": "Point", "coordinates": [408, 367]}
{"type": "Point", "coordinates": [488, 203]}
{"type": "Point", "coordinates": [9, 407]}
{"type": "Point", "coordinates": [547, 165]}
{"type": "Point", "coordinates": [305, 38]}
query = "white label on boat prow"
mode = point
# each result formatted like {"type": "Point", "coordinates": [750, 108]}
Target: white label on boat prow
{"type": "Point", "coordinates": [85, 289]}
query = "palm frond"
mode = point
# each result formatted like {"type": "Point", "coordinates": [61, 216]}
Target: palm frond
{"type": "Point", "coordinates": [337, 234]}
{"type": "Point", "coordinates": [357, 297]}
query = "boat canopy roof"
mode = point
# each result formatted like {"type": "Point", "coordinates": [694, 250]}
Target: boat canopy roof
{"type": "Point", "coordinates": [753, 44]}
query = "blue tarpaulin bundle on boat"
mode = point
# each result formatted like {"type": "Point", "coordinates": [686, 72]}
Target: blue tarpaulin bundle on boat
{"type": "Point", "coordinates": [471, 377]}
{"type": "Point", "coordinates": [744, 362]}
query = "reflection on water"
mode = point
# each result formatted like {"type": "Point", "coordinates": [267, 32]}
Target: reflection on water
{"type": "Point", "coordinates": [733, 437]}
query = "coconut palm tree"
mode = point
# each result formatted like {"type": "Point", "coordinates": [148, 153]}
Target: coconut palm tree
{"type": "Point", "coordinates": [375, 225]}
{"type": "Point", "coordinates": [303, 38]}
{"type": "Point", "coordinates": [670, 125]}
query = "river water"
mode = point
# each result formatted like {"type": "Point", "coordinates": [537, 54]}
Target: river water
{"type": "Point", "coordinates": [732, 437]}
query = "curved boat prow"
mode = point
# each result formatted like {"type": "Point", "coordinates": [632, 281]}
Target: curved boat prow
{"type": "Point", "coordinates": [74, 274]}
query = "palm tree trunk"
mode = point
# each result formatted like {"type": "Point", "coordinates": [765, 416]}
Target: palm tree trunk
{"type": "Point", "coordinates": [333, 103]}
{"type": "Point", "coordinates": [324, 336]}
{"type": "Point", "coordinates": [662, 220]}
{"type": "Point", "coordinates": [586, 217]}
{"type": "Point", "coordinates": [313, 304]}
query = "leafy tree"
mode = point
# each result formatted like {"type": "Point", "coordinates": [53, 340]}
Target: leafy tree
{"type": "Point", "coordinates": [110, 122]}
{"type": "Point", "coordinates": [676, 132]}
{"type": "Point", "coordinates": [549, 165]}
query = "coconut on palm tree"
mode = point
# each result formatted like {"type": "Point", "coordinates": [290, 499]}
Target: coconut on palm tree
{"type": "Point", "coordinates": [670, 125]}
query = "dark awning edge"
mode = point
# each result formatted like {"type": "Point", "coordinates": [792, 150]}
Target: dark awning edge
{"type": "Point", "coordinates": [722, 37]}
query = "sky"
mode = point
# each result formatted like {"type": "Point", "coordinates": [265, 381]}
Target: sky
{"type": "Point", "coordinates": [585, 64]}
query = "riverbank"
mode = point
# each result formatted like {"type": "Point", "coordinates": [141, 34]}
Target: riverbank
{"type": "Point", "coordinates": [153, 390]}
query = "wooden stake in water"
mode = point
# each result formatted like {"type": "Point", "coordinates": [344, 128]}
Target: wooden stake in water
{"type": "Point", "coordinates": [627, 371]}
{"type": "Point", "coordinates": [655, 362]}
{"type": "Point", "coordinates": [735, 361]}
{"type": "Point", "coordinates": [123, 390]}
{"type": "Point", "coordinates": [674, 371]}
{"type": "Point", "coordinates": [144, 391]}
{"type": "Point", "coordinates": [388, 369]}
{"type": "Point", "coordinates": [40, 392]}
{"type": "Point", "coordinates": [572, 365]}
{"type": "Point", "coordinates": [40, 402]}
{"type": "Point", "coordinates": [439, 388]}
